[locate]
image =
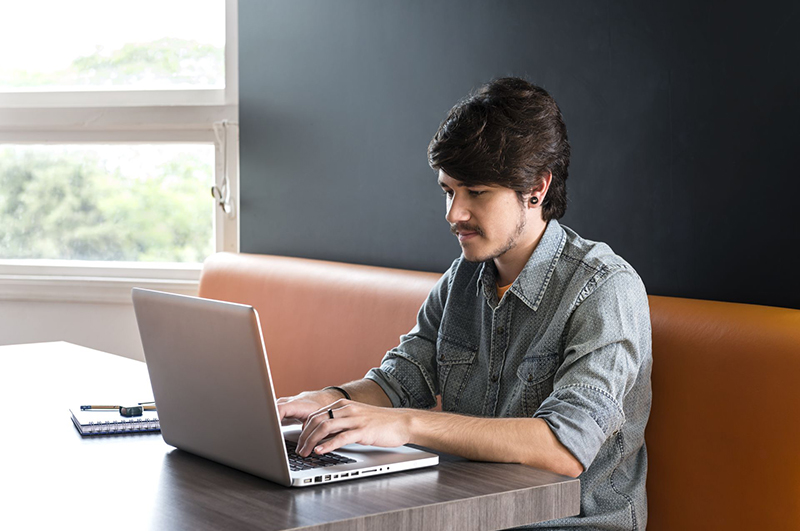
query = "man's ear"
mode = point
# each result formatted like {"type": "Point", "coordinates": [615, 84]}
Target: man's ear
{"type": "Point", "coordinates": [539, 191]}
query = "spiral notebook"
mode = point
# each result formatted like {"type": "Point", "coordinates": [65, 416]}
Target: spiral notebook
{"type": "Point", "coordinates": [111, 422]}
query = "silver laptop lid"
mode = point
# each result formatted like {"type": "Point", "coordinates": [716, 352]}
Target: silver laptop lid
{"type": "Point", "coordinates": [208, 371]}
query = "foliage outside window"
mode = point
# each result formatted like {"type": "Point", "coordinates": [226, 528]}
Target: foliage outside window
{"type": "Point", "coordinates": [110, 202]}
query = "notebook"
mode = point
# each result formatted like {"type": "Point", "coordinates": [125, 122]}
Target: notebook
{"type": "Point", "coordinates": [211, 380]}
{"type": "Point", "coordinates": [108, 422]}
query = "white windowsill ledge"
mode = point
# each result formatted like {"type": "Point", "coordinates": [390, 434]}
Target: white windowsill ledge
{"type": "Point", "coordinates": [92, 282]}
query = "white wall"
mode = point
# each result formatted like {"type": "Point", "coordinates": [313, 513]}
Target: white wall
{"type": "Point", "coordinates": [110, 327]}
{"type": "Point", "coordinates": [81, 302]}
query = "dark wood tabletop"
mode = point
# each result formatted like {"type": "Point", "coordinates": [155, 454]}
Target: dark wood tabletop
{"type": "Point", "coordinates": [52, 478]}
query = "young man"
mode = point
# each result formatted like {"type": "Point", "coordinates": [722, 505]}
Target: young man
{"type": "Point", "coordinates": [536, 340]}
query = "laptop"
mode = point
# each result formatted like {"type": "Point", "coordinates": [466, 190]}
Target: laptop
{"type": "Point", "coordinates": [213, 390]}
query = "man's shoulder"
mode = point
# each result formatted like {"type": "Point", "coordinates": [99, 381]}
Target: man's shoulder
{"type": "Point", "coordinates": [594, 256]}
{"type": "Point", "coordinates": [594, 264]}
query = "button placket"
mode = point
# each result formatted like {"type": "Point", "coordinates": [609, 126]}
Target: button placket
{"type": "Point", "coordinates": [497, 350]}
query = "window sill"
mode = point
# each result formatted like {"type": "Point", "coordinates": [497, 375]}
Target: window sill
{"type": "Point", "coordinates": [92, 282]}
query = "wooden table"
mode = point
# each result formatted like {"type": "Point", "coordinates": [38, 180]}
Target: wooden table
{"type": "Point", "coordinates": [52, 478]}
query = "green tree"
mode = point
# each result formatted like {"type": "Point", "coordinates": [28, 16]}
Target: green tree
{"type": "Point", "coordinates": [70, 206]}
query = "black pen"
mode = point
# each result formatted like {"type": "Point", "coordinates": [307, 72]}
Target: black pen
{"type": "Point", "coordinates": [95, 407]}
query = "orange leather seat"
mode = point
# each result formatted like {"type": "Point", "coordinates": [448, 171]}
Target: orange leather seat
{"type": "Point", "coordinates": [724, 438]}
{"type": "Point", "coordinates": [723, 432]}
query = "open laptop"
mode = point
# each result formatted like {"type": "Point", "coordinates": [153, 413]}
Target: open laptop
{"type": "Point", "coordinates": [213, 390]}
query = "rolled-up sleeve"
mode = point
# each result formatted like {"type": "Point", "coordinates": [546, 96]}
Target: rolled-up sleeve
{"type": "Point", "coordinates": [606, 341]}
{"type": "Point", "coordinates": [407, 373]}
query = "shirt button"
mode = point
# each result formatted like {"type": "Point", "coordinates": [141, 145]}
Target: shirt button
{"type": "Point", "coordinates": [530, 377]}
{"type": "Point", "coordinates": [500, 329]}
{"type": "Point", "coordinates": [493, 378]}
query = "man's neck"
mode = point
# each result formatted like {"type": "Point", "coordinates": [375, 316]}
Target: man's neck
{"type": "Point", "coordinates": [513, 261]}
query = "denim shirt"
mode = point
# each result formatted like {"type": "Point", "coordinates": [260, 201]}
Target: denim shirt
{"type": "Point", "coordinates": [569, 343]}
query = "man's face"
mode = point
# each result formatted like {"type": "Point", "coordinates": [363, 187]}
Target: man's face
{"type": "Point", "coordinates": [488, 219]}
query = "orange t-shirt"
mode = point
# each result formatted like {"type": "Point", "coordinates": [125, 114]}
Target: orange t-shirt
{"type": "Point", "coordinates": [501, 290]}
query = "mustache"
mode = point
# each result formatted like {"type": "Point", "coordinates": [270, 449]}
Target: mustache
{"type": "Point", "coordinates": [455, 228]}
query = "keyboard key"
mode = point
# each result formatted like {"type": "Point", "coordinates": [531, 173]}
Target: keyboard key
{"type": "Point", "coordinates": [297, 462]}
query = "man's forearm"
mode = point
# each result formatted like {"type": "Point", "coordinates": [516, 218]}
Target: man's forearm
{"type": "Point", "coordinates": [517, 440]}
{"type": "Point", "coordinates": [365, 391]}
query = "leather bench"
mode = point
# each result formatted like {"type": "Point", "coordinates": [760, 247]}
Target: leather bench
{"type": "Point", "coordinates": [324, 323]}
{"type": "Point", "coordinates": [723, 433]}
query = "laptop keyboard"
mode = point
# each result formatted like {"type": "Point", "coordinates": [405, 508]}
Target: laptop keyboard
{"type": "Point", "coordinates": [297, 462]}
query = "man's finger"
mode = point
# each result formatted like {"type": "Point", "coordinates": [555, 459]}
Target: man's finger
{"type": "Point", "coordinates": [310, 428]}
{"type": "Point", "coordinates": [288, 410]}
{"type": "Point", "coordinates": [324, 429]}
{"type": "Point", "coordinates": [309, 425]}
{"type": "Point", "coordinates": [321, 415]}
{"type": "Point", "coordinates": [342, 439]}
{"type": "Point", "coordinates": [312, 420]}
{"type": "Point", "coordinates": [333, 405]}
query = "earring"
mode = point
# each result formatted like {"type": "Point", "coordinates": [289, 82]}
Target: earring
{"type": "Point", "coordinates": [534, 200]}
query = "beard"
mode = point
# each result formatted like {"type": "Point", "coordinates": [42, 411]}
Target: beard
{"type": "Point", "coordinates": [509, 244]}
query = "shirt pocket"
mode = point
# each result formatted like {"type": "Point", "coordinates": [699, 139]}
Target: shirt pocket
{"type": "Point", "coordinates": [454, 363]}
{"type": "Point", "coordinates": [535, 380]}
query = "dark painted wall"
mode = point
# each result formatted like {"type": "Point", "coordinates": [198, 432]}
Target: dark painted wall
{"type": "Point", "coordinates": [683, 118]}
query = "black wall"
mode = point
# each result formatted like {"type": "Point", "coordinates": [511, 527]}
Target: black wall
{"type": "Point", "coordinates": [683, 118]}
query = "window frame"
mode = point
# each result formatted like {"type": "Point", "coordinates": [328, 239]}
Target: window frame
{"type": "Point", "coordinates": [110, 117]}
{"type": "Point", "coordinates": [92, 97]}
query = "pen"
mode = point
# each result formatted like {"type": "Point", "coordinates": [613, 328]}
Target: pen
{"type": "Point", "coordinates": [93, 407]}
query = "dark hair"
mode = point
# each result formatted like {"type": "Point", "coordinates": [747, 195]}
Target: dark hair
{"type": "Point", "coordinates": [510, 132]}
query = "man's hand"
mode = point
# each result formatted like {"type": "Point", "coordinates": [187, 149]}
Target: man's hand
{"type": "Point", "coordinates": [297, 409]}
{"type": "Point", "coordinates": [354, 422]}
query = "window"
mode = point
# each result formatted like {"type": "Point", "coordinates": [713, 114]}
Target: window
{"type": "Point", "coordinates": [118, 202]}
{"type": "Point", "coordinates": [146, 45]}
{"type": "Point", "coordinates": [119, 53]}
{"type": "Point", "coordinates": [118, 145]}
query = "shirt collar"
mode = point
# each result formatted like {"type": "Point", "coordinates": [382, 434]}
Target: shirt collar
{"type": "Point", "coordinates": [532, 281]}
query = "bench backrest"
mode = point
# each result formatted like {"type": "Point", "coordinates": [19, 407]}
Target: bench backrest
{"type": "Point", "coordinates": [723, 437]}
{"type": "Point", "coordinates": [324, 323]}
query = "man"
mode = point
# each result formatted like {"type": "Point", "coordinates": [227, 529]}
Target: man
{"type": "Point", "coordinates": [536, 340]}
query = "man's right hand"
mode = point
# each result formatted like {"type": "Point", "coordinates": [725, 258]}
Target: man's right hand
{"type": "Point", "coordinates": [296, 409]}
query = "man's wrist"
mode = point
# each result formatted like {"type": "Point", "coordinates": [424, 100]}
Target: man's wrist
{"type": "Point", "coordinates": [339, 390]}
{"type": "Point", "coordinates": [328, 396]}
{"type": "Point", "coordinates": [417, 425]}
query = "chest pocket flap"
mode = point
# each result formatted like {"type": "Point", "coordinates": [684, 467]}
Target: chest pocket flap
{"type": "Point", "coordinates": [536, 369]}
{"type": "Point", "coordinates": [449, 353]}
